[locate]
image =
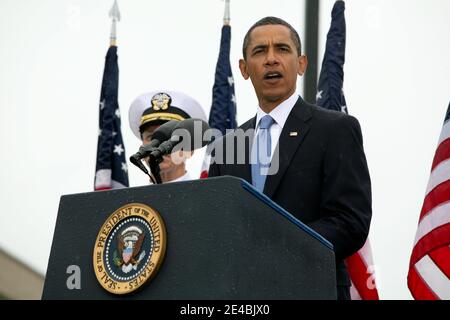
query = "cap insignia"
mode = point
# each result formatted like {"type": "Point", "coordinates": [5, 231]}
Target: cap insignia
{"type": "Point", "coordinates": [161, 101]}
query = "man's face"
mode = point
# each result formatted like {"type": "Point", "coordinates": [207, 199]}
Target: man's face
{"type": "Point", "coordinates": [272, 64]}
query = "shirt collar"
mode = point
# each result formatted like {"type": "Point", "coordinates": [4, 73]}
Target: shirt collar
{"type": "Point", "coordinates": [280, 113]}
{"type": "Point", "coordinates": [185, 177]}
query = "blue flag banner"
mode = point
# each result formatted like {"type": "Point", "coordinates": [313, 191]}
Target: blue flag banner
{"type": "Point", "coordinates": [329, 91]}
{"type": "Point", "coordinates": [222, 115]}
{"type": "Point", "coordinates": [330, 96]}
{"type": "Point", "coordinates": [111, 169]}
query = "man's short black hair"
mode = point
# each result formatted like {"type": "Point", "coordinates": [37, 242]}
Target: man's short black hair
{"type": "Point", "coordinates": [272, 21]}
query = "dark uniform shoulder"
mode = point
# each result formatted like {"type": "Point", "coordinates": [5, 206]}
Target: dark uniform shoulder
{"type": "Point", "coordinates": [248, 124]}
{"type": "Point", "coordinates": [332, 117]}
{"type": "Point", "coordinates": [326, 113]}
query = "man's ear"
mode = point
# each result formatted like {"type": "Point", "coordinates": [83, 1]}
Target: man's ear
{"type": "Point", "coordinates": [302, 64]}
{"type": "Point", "coordinates": [243, 68]}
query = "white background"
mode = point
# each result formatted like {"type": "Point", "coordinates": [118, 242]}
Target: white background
{"type": "Point", "coordinates": [397, 81]}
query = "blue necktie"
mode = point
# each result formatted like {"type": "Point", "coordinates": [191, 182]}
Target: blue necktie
{"type": "Point", "coordinates": [261, 153]}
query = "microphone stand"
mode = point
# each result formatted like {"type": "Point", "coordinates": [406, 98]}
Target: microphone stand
{"type": "Point", "coordinates": [154, 168]}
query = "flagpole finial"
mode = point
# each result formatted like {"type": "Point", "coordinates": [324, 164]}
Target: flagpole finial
{"type": "Point", "coordinates": [114, 14]}
{"type": "Point", "coordinates": [226, 16]}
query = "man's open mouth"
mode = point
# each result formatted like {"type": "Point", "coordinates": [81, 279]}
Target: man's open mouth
{"type": "Point", "coordinates": [272, 75]}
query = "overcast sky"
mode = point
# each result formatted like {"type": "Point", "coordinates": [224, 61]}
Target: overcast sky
{"type": "Point", "coordinates": [397, 82]}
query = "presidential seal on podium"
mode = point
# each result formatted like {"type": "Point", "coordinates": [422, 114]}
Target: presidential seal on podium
{"type": "Point", "coordinates": [129, 248]}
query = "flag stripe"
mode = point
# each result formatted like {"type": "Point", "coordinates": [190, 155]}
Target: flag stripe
{"type": "Point", "coordinates": [445, 134]}
{"type": "Point", "coordinates": [439, 175]}
{"type": "Point", "coordinates": [354, 292]}
{"type": "Point", "coordinates": [366, 252]}
{"type": "Point", "coordinates": [436, 197]}
{"type": "Point", "coordinates": [437, 217]}
{"type": "Point", "coordinates": [103, 179]}
{"type": "Point", "coordinates": [434, 277]}
{"type": "Point", "coordinates": [117, 185]}
{"type": "Point", "coordinates": [441, 257]}
{"type": "Point", "coordinates": [442, 153]}
{"type": "Point", "coordinates": [430, 242]}
{"type": "Point", "coordinates": [418, 287]}
{"type": "Point", "coordinates": [358, 271]}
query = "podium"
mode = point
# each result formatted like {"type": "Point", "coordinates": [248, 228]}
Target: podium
{"type": "Point", "coordinates": [224, 240]}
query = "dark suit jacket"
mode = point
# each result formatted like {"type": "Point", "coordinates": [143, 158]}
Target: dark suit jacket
{"type": "Point", "coordinates": [323, 178]}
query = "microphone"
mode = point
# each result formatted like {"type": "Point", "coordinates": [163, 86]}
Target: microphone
{"type": "Point", "coordinates": [189, 133]}
{"type": "Point", "coordinates": [163, 133]}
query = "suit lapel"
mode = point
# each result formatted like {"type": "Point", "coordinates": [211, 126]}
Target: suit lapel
{"type": "Point", "coordinates": [294, 132]}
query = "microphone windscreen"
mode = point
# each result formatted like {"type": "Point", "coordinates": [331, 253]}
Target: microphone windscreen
{"type": "Point", "coordinates": [194, 129]}
{"type": "Point", "coordinates": [164, 132]}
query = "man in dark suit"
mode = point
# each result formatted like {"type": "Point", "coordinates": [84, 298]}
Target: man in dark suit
{"type": "Point", "coordinates": [318, 170]}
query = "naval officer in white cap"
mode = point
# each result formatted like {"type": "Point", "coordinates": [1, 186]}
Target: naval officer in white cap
{"type": "Point", "coordinates": [151, 110]}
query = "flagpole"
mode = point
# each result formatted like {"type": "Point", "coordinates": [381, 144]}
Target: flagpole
{"type": "Point", "coordinates": [311, 46]}
{"type": "Point", "coordinates": [226, 16]}
{"type": "Point", "coordinates": [114, 14]}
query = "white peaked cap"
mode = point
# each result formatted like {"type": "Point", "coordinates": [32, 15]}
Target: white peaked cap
{"type": "Point", "coordinates": [163, 106]}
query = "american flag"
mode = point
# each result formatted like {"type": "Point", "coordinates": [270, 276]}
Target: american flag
{"type": "Point", "coordinates": [330, 96]}
{"type": "Point", "coordinates": [429, 266]}
{"type": "Point", "coordinates": [222, 115]}
{"type": "Point", "coordinates": [111, 169]}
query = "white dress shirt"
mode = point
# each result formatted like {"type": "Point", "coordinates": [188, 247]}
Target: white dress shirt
{"type": "Point", "coordinates": [280, 115]}
{"type": "Point", "coordinates": [184, 177]}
